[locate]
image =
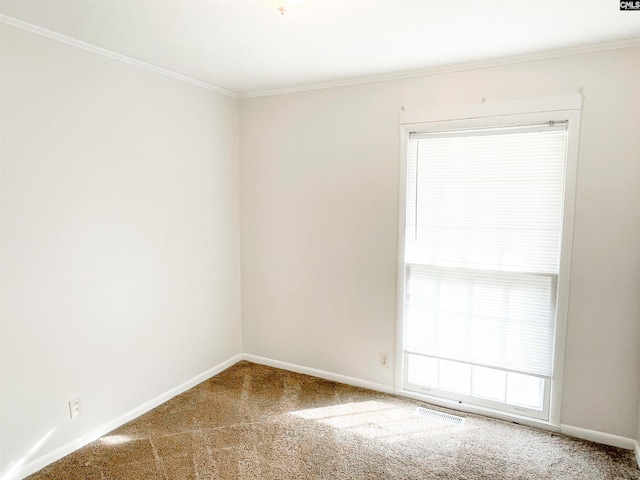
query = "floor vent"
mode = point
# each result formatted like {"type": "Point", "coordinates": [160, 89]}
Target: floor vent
{"type": "Point", "coordinates": [442, 417]}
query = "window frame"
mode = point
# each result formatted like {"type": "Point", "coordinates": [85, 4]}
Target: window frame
{"type": "Point", "coordinates": [562, 108]}
{"type": "Point", "coordinates": [479, 402]}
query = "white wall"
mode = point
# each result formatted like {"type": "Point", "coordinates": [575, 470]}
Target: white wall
{"type": "Point", "coordinates": [119, 243]}
{"type": "Point", "coordinates": [319, 216]}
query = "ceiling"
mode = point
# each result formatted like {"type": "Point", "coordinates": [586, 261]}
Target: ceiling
{"type": "Point", "coordinates": [248, 47]}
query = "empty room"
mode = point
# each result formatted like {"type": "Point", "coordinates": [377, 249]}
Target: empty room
{"type": "Point", "coordinates": [319, 239]}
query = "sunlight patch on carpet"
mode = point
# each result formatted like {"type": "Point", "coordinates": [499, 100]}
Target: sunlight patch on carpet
{"type": "Point", "coordinates": [115, 439]}
{"type": "Point", "coordinates": [374, 419]}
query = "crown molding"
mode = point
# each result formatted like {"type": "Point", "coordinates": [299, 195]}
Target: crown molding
{"type": "Point", "coordinates": [425, 72]}
{"type": "Point", "coordinates": [14, 22]}
{"type": "Point", "coordinates": [496, 62]}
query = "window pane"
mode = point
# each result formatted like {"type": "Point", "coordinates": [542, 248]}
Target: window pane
{"type": "Point", "coordinates": [483, 228]}
{"type": "Point", "coordinates": [455, 377]}
{"type": "Point", "coordinates": [489, 383]}
{"type": "Point", "coordinates": [525, 391]}
{"type": "Point", "coordinates": [423, 371]}
{"type": "Point", "coordinates": [493, 319]}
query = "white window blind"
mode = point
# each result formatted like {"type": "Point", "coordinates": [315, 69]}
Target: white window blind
{"type": "Point", "coordinates": [483, 229]}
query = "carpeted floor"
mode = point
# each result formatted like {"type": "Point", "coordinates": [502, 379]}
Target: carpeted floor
{"type": "Point", "coordinates": [257, 422]}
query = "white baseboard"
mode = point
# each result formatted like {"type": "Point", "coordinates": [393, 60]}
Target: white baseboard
{"type": "Point", "coordinates": [33, 466]}
{"type": "Point", "coordinates": [599, 437]}
{"type": "Point", "coordinates": [583, 433]}
{"type": "Point", "coordinates": [335, 377]}
{"type": "Point", "coordinates": [22, 471]}
{"type": "Point", "coordinates": [380, 387]}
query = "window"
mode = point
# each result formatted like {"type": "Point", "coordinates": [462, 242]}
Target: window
{"type": "Point", "coordinates": [485, 205]}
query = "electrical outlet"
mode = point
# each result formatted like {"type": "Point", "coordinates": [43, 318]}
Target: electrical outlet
{"type": "Point", "coordinates": [74, 408]}
{"type": "Point", "coordinates": [384, 359]}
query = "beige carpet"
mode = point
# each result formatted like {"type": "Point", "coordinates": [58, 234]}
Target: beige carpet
{"type": "Point", "coordinates": [257, 422]}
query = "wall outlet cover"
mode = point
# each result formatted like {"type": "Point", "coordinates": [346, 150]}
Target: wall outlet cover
{"type": "Point", "coordinates": [74, 408]}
